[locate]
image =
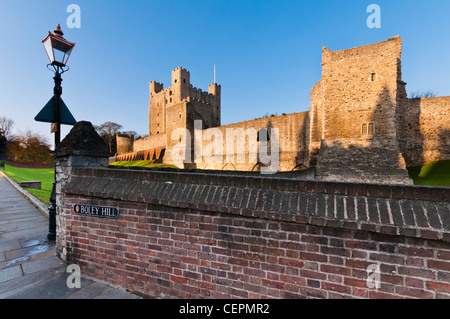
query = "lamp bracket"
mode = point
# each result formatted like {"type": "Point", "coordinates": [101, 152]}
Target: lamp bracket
{"type": "Point", "coordinates": [57, 69]}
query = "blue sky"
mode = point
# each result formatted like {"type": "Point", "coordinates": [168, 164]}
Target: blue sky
{"type": "Point", "coordinates": [267, 53]}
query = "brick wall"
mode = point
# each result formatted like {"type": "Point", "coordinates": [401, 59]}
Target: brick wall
{"type": "Point", "coordinates": [210, 235]}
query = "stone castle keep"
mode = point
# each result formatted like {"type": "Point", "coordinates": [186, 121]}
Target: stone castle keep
{"type": "Point", "coordinates": [360, 127]}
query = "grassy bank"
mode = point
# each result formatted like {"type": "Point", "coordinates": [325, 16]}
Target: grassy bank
{"type": "Point", "coordinates": [142, 164]}
{"type": "Point", "coordinates": [431, 174]}
{"type": "Point", "coordinates": [45, 175]}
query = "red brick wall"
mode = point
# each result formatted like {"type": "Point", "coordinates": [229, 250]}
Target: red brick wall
{"type": "Point", "coordinates": [226, 237]}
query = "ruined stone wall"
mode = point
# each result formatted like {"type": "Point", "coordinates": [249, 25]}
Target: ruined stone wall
{"type": "Point", "coordinates": [124, 143]}
{"type": "Point", "coordinates": [359, 125]}
{"type": "Point", "coordinates": [424, 131]}
{"type": "Point", "coordinates": [316, 117]}
{"type": "Point", "coordinates": [292, 140]}
{"type": "Point", "coordinates": [177, 119]}
{"type": "Point", "coordinates": [149, 142]}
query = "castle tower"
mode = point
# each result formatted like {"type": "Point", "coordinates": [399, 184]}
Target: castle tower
{"type": "Point", "coordinates": [124, 143]}
{"type": "Point", "coordinates": [214, 89]}
{"type": "Point", "coordinates": [179, 105]}
{"type": "Point", "coordinates": [354, 115]}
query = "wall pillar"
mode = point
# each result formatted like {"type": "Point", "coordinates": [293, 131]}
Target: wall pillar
{"type": "Point", "coordinates": [82, 147]}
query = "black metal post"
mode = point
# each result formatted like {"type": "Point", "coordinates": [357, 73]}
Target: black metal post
{"type": "Point", "coordinates": [57, 91]}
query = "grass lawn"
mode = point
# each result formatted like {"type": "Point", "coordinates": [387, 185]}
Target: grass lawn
{"type": "Point", "coordinates": [143, 164]}
{"type": "Point", "coordinates": [45, 175]}
{"type": "Point", "coordinates": [431, 174]}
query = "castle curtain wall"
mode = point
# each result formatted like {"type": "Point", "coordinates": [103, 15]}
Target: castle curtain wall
{"type": "Point", "coordinates": [424, 131]}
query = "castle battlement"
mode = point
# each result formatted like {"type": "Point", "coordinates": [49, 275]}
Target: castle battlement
{"type": "Point", "coordinates": [168, 107]}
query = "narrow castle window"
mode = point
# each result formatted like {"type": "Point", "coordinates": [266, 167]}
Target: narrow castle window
{"type": "Point", "coordinates": [184, 80]}
{"type": "Point", "coordinates": [373, 77]}
{"type": "Point", "coordinates": [180, 115]}
{"type": "Point", "coordinates": [170, 100]}
{"type": "Point", "coordinates": [364, 129]}
{"type": "Point", "coordinates": [370, 129]}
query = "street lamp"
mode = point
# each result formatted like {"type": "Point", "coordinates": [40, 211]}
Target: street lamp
{"type": "Point", "coordinates": [58, 52]}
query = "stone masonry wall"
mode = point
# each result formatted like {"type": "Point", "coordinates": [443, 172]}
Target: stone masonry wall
{"type": "Point", "coordinates": [197, 235]}
{"type": "Point", "coordinates": [359, 94]}
{"type": "Point", "coordinates": [149, 142]}
{"type": "Point", "coordinates": [292, 140]}
{"type": "Point", "coordinates": [424, 133]}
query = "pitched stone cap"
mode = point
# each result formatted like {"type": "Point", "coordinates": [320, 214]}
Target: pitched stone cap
{"type": "Point", "coordinates": [82, 140]}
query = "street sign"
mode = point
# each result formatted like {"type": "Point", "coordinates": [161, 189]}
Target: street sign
{"type": "Point", "coordinates": [47, 114]}
{"type": "Point", "coordinates": [97, 211]}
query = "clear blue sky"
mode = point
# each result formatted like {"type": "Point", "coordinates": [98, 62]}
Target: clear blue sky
{"type": "Point", "coordinates": [267, 53]}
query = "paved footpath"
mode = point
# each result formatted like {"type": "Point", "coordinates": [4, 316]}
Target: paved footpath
{"type": "Point", "coordinates": [29, 268]}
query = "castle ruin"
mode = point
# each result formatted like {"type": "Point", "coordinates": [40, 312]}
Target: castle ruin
{"type": "Point", "coordinates": [360, 127]}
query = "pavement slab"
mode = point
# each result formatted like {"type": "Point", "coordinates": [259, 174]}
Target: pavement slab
{"type": "Point", "coordinates": [29, 267]}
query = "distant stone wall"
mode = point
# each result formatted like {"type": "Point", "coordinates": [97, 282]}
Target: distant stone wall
{"type": "Point", "coordinates": [124, 143]}
{"type": "Point", "coordinates": [292, 141]}
{"type": "Point", "coordinates": [149, 142]}
{"type": "Point", "coordinates": [424, 131]}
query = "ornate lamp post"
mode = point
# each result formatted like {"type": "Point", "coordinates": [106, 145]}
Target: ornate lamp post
{"type": "Point", "coordinates": [58, 52]}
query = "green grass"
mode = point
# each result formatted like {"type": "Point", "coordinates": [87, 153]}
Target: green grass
{"type": "Point", "coordinates": [431, 174]}
{"type": "Point", "coordinates": [142, 164]}
{"type": "Point", "coordinates": [45, 175]}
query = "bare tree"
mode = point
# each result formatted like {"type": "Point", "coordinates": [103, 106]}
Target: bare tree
{"type": "Point", "coordinates": [6, 126]}
{"type": "Point", "coordinates": [418, 94]}
{"type": "Point", "coordinates": [107, 132]}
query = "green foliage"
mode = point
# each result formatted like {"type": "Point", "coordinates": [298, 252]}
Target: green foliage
{"type": "Point", "coordinates": [45, 175]}
{"type": "Point", "coordinates": [29, 148]}
{"type": "Point", "coordinates": [431, 174]}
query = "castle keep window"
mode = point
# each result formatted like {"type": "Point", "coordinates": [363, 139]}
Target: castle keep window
{"type": "Point", "coordinates": [367, 129]}
{"type": "Point", "coordinates": [373, 77]}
